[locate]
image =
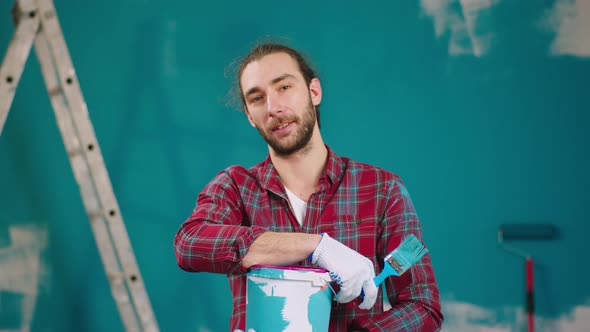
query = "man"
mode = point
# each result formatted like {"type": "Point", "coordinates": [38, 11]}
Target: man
{"type": "Point", "coordinates": [306, 205]}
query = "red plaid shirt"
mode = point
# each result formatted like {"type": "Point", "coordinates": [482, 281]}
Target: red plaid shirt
{"type": "Point", "coordinates": [364, 207]}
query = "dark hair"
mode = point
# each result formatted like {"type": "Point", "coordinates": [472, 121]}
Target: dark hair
{"type": "Point", "coordinates": [264, 49]}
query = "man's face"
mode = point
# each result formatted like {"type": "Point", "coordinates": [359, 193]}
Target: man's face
{"type": "Point", "coordinates": [279, 103]}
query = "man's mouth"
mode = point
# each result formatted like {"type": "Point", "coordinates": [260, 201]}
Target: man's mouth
{"type": "Point", "coordinates": [281, 126]}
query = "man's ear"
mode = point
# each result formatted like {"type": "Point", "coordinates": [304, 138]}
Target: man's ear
{"type": "Point", "coordinates": [249, 117]}
{"type": "Point", "coordinates": [315, 91]}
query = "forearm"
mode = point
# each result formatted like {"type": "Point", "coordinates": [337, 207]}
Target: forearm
{"type": "Point", "coordinates": [206, 247]}
{"type": "Point", "coordinates": [272, 248]}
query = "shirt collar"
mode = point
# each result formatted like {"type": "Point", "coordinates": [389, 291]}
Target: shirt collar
{"type": "Point", "coordinates": [268, 177]}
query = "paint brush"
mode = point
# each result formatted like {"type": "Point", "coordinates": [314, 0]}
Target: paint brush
{"type": "Point", "coordinates": [401, 259]}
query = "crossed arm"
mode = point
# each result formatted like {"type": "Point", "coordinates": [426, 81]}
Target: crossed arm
{"type": "Point", "coordinates": [272, 248]}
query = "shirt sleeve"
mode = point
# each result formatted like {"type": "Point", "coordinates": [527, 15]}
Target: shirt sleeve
{"type": "Point", "coordinates": [414, 296]}
{"type": "Point", "coordinates": [215, 237]}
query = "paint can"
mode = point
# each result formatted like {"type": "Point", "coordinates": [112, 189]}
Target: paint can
{"type": "Point", "coordinates": [288, 299]}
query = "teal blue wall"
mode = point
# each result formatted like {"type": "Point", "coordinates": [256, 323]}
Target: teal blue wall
{"type": "Point", "coordinates": [479, 140]}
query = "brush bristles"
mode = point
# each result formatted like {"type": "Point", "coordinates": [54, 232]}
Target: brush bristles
{"type": "Point", "coordinates": [406, 254]}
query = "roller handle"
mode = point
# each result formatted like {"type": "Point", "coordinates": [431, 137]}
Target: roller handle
{"type": "Point", "coordinates": [530, 302]}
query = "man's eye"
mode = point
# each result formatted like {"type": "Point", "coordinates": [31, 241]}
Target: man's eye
{"type": "Point", "coordinates": [255, 99]}
{"type": "Point", "coordinates": [285, 87]}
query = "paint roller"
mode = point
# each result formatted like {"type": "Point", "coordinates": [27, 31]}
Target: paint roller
{"type": "Point", "coordinates": [526, 232]}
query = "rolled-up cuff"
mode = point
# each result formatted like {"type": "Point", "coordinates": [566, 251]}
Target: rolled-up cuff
{"type": "Point", "coordinates": [242, 244]}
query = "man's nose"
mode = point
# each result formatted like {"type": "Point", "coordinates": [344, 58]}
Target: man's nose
{"type": "Point", "coordinates": [273, 105]}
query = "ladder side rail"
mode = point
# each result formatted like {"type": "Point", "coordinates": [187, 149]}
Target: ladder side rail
{"type": "Point", "coordinates": [83, 178]}
{"type": "Point", "coordinates": [85, 130]}
{"type": "Point", "coordinates": [27, 24]}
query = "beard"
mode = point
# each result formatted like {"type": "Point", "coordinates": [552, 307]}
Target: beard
{"type": "Point", "coordinates": [290, 145]}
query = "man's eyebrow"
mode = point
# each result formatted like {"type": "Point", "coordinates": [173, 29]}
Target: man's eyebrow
{"type": "Point", "coordinates": [273, 81]}
{"type": "Point", "coordinates": [252, 91]}
{"type": "Point", "coordinates": [282, 77]}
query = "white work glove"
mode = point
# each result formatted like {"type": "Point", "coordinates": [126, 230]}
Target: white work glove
{"type": "Point", "coordinates": [351, 270]}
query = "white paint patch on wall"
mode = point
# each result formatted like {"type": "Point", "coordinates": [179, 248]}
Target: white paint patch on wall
{"type": "Point", "coordinates": [468, 23]}
{"type": "Point", "coordinates": [570, 21]}
{"type": "Point", "coordinates": [576, 320]}
{"type": "Point", "coordinates": [22, 270]}
{"type": "Point", "coordinates": [462, 316]}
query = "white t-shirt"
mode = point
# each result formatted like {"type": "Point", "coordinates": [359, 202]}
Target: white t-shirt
{"type": "Point", "coordinates": [298, 206]}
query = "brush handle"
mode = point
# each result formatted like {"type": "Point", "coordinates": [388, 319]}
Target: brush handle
{"type": "Point", "coordinates": [380, 278]}
{"type": "Point", "coordinates": [388, 271]}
